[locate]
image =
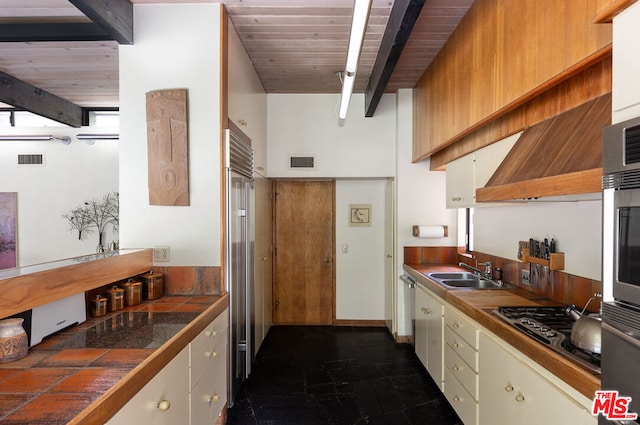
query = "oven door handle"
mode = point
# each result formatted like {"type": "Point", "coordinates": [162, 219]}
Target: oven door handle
{"type": "Point", "coordinates": [629, 339]}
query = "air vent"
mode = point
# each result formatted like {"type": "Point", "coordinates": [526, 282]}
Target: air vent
{"type": "Point", "coordinates": [632, 145]}
{"type": "Point", "coordinates": [629, 179]}
{"type": "Point", "coordinates": [302, 162]}
{"type": "Point", "coordinates": [30, 159]}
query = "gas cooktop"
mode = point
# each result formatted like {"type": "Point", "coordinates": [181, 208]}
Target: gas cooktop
{"type": "Point", "coordinates": [549, 325]}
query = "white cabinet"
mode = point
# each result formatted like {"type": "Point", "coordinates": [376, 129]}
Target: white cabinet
{"type": "Point", "coordinates": [461, 361]}
{"type": "Point", "coordinates": [473, 171]}
{"type": "Point", "coordinates": [208, 371]}
{"type": "Point", "coordinates": [190, 389]}
{"type": "Point", "coordinates": [513, 392]}
{"type": "Point", "coordinates": [164, 400]}
{"type": "Point", "coordinates": [428, 316]}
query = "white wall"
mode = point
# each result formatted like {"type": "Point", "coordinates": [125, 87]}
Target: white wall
{"type": "Point", "coordinates": [420, 200]}
{"type": "Point", "coordinates": [360, 155]}
{"type": "Point", "coordinates": [576, 227]}
{"type": "Point", "coordinates": [307, 125]}
{"type": "Point", "coordinates": [72, 174]}
{"type": "Point", "coordinates": [176, 46]}
{"type": "Point", "coordinates": [360, 271]}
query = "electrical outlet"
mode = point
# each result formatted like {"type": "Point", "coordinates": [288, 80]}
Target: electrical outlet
{"type": "Point", "coordinates": [161, 254]}
{"type": "Point", "coordinates": [525, 277]}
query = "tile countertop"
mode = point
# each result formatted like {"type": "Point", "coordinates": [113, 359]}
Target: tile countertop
{"type": "Point", "coordinates": [86, 374]}
{"type": "Point", "coordinates": [477, 304]}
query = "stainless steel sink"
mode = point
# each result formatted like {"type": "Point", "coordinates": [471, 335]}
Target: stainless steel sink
{"type": "Point", "coordinates": [464, 280]}
{"type": "Point", "coordinates": [453, 275]}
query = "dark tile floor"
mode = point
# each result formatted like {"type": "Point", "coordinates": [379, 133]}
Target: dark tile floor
{"type": "Point", "coordinates": [307, 375]}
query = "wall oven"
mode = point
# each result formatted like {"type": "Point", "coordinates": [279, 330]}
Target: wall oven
{"type": "Point", "coordinates": [621, 316]}
{"type": "Point", "coordinates": [621, 164]}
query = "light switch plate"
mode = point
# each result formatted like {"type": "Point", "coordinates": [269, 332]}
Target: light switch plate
{"type": "Point", "coordinates": [160, 254]}
{"type": "Point", "coordinates": [525, 277]}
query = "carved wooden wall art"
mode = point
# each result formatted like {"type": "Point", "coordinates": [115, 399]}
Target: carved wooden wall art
{"type": "Point", "coordinates": [167, 144]}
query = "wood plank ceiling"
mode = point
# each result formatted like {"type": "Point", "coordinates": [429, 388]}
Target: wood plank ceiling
{"type": "Point", "coordinates": [297, 46]}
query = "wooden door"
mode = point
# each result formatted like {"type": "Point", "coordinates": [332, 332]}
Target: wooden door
{"type": "Point", "coordinates": [304, 240]}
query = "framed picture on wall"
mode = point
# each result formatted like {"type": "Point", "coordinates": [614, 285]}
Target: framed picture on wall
{"type": "Point", "coordinates": [8, 242]}
{"type": "Point", "coordinates": [359, 215]}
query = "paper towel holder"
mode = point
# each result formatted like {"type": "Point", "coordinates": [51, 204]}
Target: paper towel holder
{"type": "Point", "coordinates": [416, 230]}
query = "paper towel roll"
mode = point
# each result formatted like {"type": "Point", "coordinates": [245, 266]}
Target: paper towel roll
{"type": "Point", "coordinates": [430, 231]}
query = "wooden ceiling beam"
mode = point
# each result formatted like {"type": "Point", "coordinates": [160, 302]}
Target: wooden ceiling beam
{"type": "Point", "coordinates": [52, 32]}
{"type": "Point", "coordinates": [402, 18]}
{"type": "Point", "coordinates": [113, 16]}
{"type": "Point", "coordinates": [23, 95]}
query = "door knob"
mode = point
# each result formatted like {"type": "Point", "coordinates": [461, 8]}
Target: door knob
{"type": "Point", "coordinates": [327, 260]}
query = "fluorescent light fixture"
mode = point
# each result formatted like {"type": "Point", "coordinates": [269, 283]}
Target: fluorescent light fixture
{"type": "Point", "coordinates": [97, 136]}
{"type": "Point", "coordinates": [35, 138]}
{"type": "Point", "coordinates": [361, 9]}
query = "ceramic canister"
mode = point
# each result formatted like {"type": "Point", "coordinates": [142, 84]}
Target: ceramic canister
{"type": "Point", "coordinates": [98, 306]}
{"type": "Point", "coordinates": [153, 287]}
{"type": "Point", "coordinates": [115, 298]}
{"type": "Point", "coordinates": [13, 340]}
{"type": "Point", "coordinates": [132, 292]}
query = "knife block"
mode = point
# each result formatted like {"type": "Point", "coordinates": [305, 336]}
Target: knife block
{"type": "Point", "coordinates": [555, 261]}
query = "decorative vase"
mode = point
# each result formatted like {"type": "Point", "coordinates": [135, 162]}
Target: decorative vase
{"type": "Point", "coordinates": [13, 340]}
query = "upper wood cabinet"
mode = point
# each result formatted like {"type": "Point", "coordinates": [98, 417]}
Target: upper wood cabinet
{"type": "Point", "coordinates": [503, 53]}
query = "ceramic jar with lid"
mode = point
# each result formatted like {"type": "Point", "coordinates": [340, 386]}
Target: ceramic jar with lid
{"type": "Point", "coordinates": [115, 298]}
{"type": "Point", "coordinates": [132, 292]}
{"type": "Point", "coordinates": [153, 285]}
{"type": "Point", "coordinates": [14, 344]}
{"type": "Point", "coordinates": [98, 306]}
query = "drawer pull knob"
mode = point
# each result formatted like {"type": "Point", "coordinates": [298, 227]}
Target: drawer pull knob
{"type": "Point", "coordinates": [214, 398]}
{"type": "Point", "coordinates": [519, 398]}
{"type": "Point", "coordinates": [455, 367]}
{"type": "Point", "coordinates": [456, 398]}
{"type": "Point", "coordinates": [455, 325]}
{"type": "Point", "coordinates": [211, 354]}
{"type": "Point", "coordinates": [211, 333]}
{"type": "Point", "coordinates": [164, 405]}
{"type": "Point", "coordinates": [455, 345]}
{"type": "Point", "coordinates": [508, 388]}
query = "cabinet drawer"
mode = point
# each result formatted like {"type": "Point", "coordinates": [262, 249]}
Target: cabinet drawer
{"type": "Point", "coordinates": [462, 371]}
{"type": "Point", "coordinates": [462, 326]}
{"type": "Point", "coordinates": [461, 401]}
{"type": "Point", "coordinates": [208, 347]}
{"type": "Point", "coordinates": [461, 348]}
{"type": "Point", "coordinates": [209, 395]}
{"type": "Point", "coordinates": [164, 400]}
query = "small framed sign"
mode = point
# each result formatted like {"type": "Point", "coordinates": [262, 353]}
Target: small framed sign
{"type": "Point", "coordinates": [359, 215]}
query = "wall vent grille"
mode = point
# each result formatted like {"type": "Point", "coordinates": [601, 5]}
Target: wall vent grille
{"type": "Point", "coordinates": [30, 159]}
{"type": "Point", "coordinates": [632, 145]}
{"type": "Point", "coordinates": [302, 162]}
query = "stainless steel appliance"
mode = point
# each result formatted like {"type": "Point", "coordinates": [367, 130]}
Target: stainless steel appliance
{"type": "Point", "coordinates": [621, 167]}
{"type": "Point", "coordinates": [550, 325]}
{"type": "Point", "coordinates": [239, 257]}
{"type": "Point", "coordinates": [620, 354]}
{"type": "Point", "coordinates": [621, 317]}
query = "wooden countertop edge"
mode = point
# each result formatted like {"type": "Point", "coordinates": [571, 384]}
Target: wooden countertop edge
{"type": "Point", "coordinates": [572, 374]}
{"type": "Point", "coordinates": [110, 402]}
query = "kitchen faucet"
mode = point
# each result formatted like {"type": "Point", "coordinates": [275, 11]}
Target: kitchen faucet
{"type": "Point", "coordinates": [488, 270]}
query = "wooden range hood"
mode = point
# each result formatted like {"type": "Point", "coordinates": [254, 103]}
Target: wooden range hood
{"type": "Point", "coordinates": [557, 157]}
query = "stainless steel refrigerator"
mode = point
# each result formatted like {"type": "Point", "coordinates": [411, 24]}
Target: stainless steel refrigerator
{"type": "Point", "coordinates": [239, 257]}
